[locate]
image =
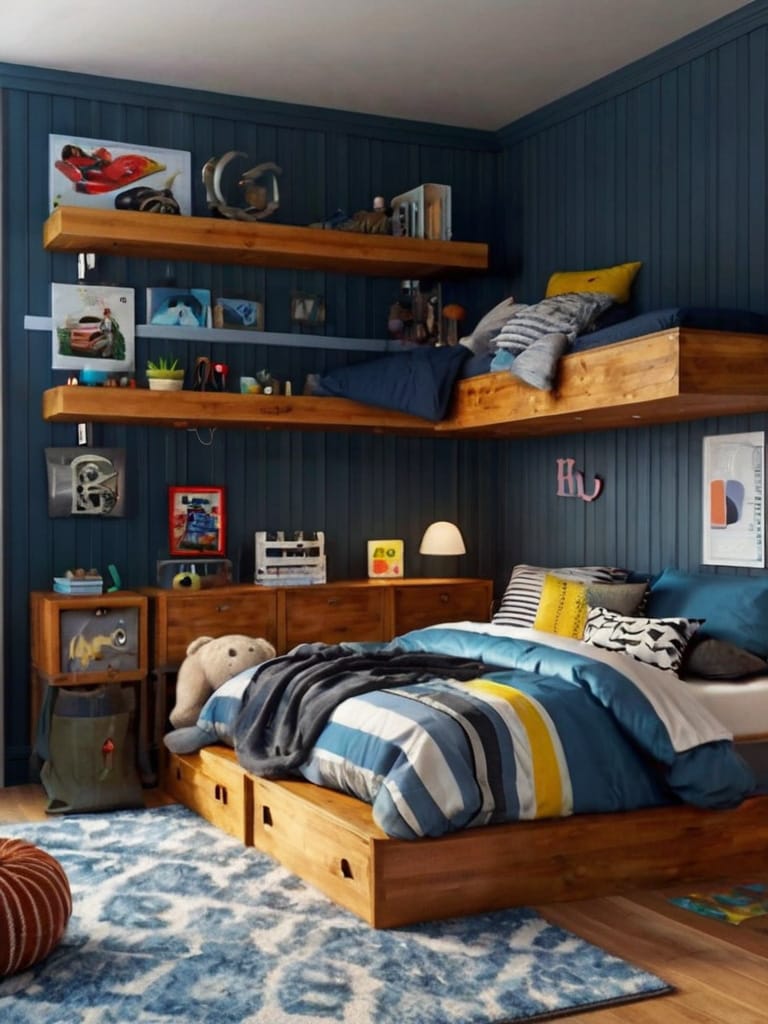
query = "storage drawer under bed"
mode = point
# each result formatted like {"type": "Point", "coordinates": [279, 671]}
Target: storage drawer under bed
{"type": "Point", "coordinates": [215, 787]}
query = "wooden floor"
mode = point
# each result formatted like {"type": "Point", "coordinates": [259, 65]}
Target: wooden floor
{"type": "Point", "coordinates": [719, 971]}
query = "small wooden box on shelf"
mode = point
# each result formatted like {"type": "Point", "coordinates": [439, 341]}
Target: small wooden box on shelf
{"type": "Point", "coordinates": [94, 640]}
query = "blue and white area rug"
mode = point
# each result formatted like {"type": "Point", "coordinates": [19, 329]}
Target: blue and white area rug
{"type": "Point", "coordinates": [174, 921]}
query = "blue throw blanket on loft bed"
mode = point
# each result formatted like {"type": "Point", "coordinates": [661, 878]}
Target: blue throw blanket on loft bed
{"type": "Point", "coordinates": [418, 381]}
{"type": "Point", "coordinates": [735, 321]}
{"type": "Point", "coordinates": [531, 730]}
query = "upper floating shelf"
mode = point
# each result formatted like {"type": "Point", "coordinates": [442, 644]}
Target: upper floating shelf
{"type": "Point", "coordinates": [213, 240]}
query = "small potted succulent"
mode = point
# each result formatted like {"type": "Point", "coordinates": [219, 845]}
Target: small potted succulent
{"type": "Point", "coordinates": [165, 375]}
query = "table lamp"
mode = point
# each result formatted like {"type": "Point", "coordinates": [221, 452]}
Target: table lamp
{"type": "Point", "coordinates": [442, 538]}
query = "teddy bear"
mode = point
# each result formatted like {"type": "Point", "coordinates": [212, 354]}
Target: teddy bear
{"type": "Point", "coordinates": [209, 662]}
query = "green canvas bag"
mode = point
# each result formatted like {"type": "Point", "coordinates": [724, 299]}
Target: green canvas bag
{"type": "Point", "coordinates": [91, 751]}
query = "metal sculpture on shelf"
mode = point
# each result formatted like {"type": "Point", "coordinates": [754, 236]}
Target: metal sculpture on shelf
{"type": "Point", "coordinates": [252, 194]}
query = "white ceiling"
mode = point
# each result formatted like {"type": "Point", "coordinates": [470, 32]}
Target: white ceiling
{"type": "Point", "coordinates": [474, 64]}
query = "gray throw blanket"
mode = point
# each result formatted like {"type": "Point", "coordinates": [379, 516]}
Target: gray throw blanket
{"type": "Point", "coordinates": [290, 699]}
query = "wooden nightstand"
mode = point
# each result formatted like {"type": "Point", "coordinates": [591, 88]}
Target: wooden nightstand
{"type": "Point", "coordinates": [96, 640]}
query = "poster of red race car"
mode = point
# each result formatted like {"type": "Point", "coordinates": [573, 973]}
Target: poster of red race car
{"type": "Point", "coordinates": [118, 175]}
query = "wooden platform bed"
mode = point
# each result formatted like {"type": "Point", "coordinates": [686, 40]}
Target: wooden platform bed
{"type": "Point", "coordinates": [330, 840]}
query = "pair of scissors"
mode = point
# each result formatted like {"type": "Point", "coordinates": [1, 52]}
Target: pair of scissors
{"type": "Point", "coordinates": [209, 375]}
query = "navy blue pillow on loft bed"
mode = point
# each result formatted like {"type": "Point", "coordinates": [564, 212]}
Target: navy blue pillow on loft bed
{"type": "Point", "coordinates": [738, 321]}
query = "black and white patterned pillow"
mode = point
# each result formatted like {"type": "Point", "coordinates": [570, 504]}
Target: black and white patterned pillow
{"type": "Point", "coordinates": [658, 642]}
{"type": "Point", "coordinates": [520, 602]}
{"type": "Point", "coordinates": [569, 314]}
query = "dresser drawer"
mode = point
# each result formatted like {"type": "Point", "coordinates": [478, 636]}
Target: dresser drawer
{"type": "Point", "coordinates": [334, 614]}
{"type": "Point", "coordinates": [181, 617]}
{"type": "Point", "coordinates": [417, 607]}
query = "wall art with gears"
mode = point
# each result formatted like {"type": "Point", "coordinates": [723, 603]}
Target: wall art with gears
{"type": "Point", "coordinates": [86, 482]}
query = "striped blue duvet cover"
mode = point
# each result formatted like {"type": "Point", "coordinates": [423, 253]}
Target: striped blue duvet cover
{"type": "Point", "coordinates": [555, 728]}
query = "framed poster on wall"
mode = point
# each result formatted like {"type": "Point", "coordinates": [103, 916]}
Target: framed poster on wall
{"type": "Point", "coordinates": [112, 175]}
{"type": "Point", "coordinates": [196, 521]}
{"type": "Point", "coordinates": [94, 327]}
{"type": "Point", "coordinates": [732, 500]}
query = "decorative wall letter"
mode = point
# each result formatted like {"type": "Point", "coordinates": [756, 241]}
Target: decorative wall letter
{"type": "Point", "coordinates": [570, 484]}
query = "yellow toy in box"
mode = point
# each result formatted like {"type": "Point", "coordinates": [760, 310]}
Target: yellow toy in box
{"type": "Point", "coordinates": [385, 559]}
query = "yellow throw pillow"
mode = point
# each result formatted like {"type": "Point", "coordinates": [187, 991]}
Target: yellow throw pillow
{"type": "Point", "coordinates": [563, 607]}
{"type": "Point", "coordinates": [615, 281]}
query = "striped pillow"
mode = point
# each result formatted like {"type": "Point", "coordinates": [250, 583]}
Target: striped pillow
{"type": "Point", "coordinates": [569, 314]}
{"type": "Point", "coordinates": [520, 602]}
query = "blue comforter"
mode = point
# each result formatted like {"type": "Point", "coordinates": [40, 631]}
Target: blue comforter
{"type": "Point", "coordinates": [546, 731]}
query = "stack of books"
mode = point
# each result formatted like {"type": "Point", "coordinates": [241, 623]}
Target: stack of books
{"type": "Point", "coordinates": [80, 585]}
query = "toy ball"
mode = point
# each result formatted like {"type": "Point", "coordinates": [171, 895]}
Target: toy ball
{"type": "Point", "coordinates": [186, 581]}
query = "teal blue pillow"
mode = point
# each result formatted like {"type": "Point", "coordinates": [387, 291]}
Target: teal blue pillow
{"type": "Point", "coordinates": [735, 607]}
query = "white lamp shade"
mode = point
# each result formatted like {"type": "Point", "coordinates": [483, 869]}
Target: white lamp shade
{"type": "Point", "coordinates": [442, 539]}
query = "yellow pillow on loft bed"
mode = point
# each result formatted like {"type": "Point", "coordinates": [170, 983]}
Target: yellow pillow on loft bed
{"type": "Point", "coordinates": [615, 281]}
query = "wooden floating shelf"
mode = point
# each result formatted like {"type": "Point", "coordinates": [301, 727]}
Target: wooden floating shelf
{"type": "Point", "coordinates": [666, 377]}
{"type": "Point", "coordinates": [255, 243]}
{"type": "Point", "coordinates": [183, 409]}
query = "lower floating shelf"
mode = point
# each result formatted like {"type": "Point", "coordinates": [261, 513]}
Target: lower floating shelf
{"type": "Point", "coordinates": [183, 409]}
{"type": "Point", "coordinates": [670, 376]}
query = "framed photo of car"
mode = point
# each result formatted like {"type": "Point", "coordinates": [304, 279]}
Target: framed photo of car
{"type": "Point", "coordinates": [94, 327]}
{"type": "Point", "coordinates": [196, 521]}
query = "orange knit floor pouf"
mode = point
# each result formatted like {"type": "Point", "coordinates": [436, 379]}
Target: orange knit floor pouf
{"type": "Point", "coordinates": [35, 904]}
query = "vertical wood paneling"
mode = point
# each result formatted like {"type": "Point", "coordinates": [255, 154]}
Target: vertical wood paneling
{"type": "Point", "coordinates": [352, 487]}
{"type": "Point", "coordinates": [669, 170]}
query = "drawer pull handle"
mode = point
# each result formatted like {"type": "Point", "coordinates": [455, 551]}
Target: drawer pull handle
{"type": "Point", "coordinates": [333, 601]}
{"type": "Point", "coordinates": [445, 598]}
{"type": "Point", "coordinates": [266, 816]}
{"type": "Point", "coordinates": [222, 607]}
{"type": "Point", "coordinates": [221, 794]}
{"type": "Point", "coordinates": [346, 870]}
{"type": "Point", "coordinates": [178, 774]}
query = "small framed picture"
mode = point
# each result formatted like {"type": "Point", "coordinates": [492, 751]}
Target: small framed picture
{"type": "Point", "coordinates": [238, 314]}
{"type": "Point", "coordinates": [385, 559]}
{"type": "Point", "coordinates": [177, 307]}
{"type": "Point", "coordinates": [307, 309]}
{"type": "Point", "coordinates": [93, 327]}
{"type": "Point", "coordinates": [196, 521]}
{"type": "Point", "coordinates": [86, 481]}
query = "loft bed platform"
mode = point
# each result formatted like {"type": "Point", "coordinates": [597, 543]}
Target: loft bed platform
{"type": "Point", "coordinates": [673, 375]}
{"type": "Point", "coordinates": [676, 374]}
{"type": "Point", "coordinates": [330, 840]}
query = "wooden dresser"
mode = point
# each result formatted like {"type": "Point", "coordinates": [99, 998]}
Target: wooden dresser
{"type": "Point", "coordinates": [286, 616]}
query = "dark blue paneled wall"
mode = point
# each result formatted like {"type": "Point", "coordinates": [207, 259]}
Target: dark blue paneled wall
{"type": "Point", "coordinates": [663, 162]}
{"type": "Point", "coordinates": [352, 486]}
